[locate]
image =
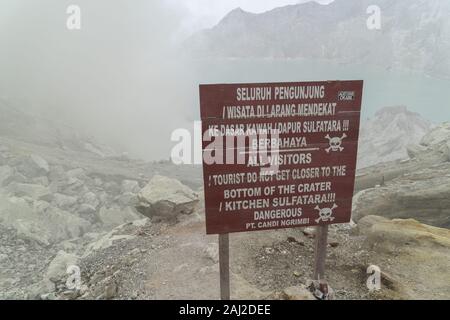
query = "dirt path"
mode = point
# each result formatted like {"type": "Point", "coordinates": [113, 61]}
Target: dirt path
{"type": "Point", "coordinates": [261, 263]}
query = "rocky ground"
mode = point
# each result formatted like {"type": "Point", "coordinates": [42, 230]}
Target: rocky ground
{"type": "Point", "coordinates": [54, 197]}
{"type": "Point", "coordinates": [136, 230]}
{"type": "Point", "coordinates": [143, 260]}
{"type": "Point", "coordinates": [416, 188]}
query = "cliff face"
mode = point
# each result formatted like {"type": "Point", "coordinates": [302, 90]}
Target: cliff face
{"type": "Point", "coordinates": [385, 137]}
{"type": "Point", "coordinates": [416, 188]}
{"type": "Point", "coordinates": [415, 34]}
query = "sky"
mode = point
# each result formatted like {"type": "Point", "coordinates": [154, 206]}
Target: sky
{"type": "Point", "coordinates": [202, 14]}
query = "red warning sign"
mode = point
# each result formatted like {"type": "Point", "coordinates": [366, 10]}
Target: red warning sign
{"type": "Point", "coordinates": [279, 155]}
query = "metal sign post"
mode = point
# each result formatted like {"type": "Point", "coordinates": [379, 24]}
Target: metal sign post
{"type": "Point", "coordinates": [320, 252]}
{"type": "Point", "coordinates": [320, 286]}
{"type": "Point", "coordinates": [224, 266]}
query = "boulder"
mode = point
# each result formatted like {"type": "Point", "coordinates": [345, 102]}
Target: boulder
{"type": "Point", "coordinates": [98, 182]}
{"type": "Point", "coordinates": [130, 186]}
{"type": "Point", "coordinates": [104, 198]}
{"type": "Point", "coordinates": [63, 201]}
{"type": "Point", "coordinates": [104, 241]}
{"type": "Point", "coordinates": [389, 235]}
{"type": "Point", "coordinates": [40, 222]}
{"type": "Point", "coordinates": [423, 195]}
{"type": "Point", "coordinates": [415, 150]}
{"type": "Point", "coordinates": [56, 273]}
{"type": "Point", "coordinates": [440, 134]}
{"type": "Point", "coordinates": [111, 187]}
{"type": "Point", "coordinates": [127, 199]}
{"type": "Point", "coordinates": [40, 163]}
{"type": "Point", "coordinates": [166, 199]}
{"type": "Point", "coordinates": [76, 173]}
{"type": "Point", "coordinates": [33, 166]}
{"type": "Point", "coordinates": [57, 174]}
{"type": "Point", "coordinates": [74, 187]}
{"type": "Point", "coordinates": [3, 148]}
{"type": "Point", "coordinates": [41, 180]}
{"type": "Point", "coordinates": [434, 144]}
{"type": "Point", "coordinates": [115, 216]}
{"type": "Point", "coordinates": [86, 209]}
{"type": "Point", "coordinates": [91, 199]}
{"type": "Point", "coordinates": [34, 191]}
{"type": "Point", "coordinates": [57, 270]}
{"type": "Point", "coordinates": [445, 150]}
{"type": "Point", "coordinates": [367, 222]}
{"type": "Point", "coordinates": [415, 255]}
{"type": "Point", "coordinates": [6, 175]}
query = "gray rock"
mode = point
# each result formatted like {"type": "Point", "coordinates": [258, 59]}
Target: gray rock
{"type": "Point", "coordinates": [34, 191]}
{"type": "Point", "coordinates": [166, 199]}
{"type": "Point", "coordinates": [386, 136]}
{"type": "Point", "coordinates": [32, 166]}
{"type": "Point", "coordinates": [91, 199]}
{"type": "Point", "coordinates": [112, 188]}
{"type": "Point", "coordinates": [57, 174]}
{"type": "Point", "coordinates": [445, 150]}
{"type": "Point", "coordinates": [41, 180]}
{"type": "Point", "coordinates": [41, 163]}
{"type": "Point", "coordinates": [115, 216]}
{"type": "Point", "coordinates": [74, 187]}
{"type": "Point", "coordinates": [41, 206]}
{"type": "Point", "coordinates": [130, 186]}
{"type": "Point", "coordinates": [98, 182]}
{"type": "Point", "coordinates": [6, 175]}
{"type": "Point", "coordinates": [423, 195]}
{"type": "Point", "coordinates": [367, 222]}
{"type": "Point", "coordinates": [57, 270]}
{"type": "Point", "coordinates": [40, 222]}
{"type": "Point", "coordinates": [86, 209]}
{"type": "Point", "coordinates": [63, 201]}
{"type": "Point", "coordinates": [437, 136]}
{"type": "Point", "coordinates": [127, 199]}
{"type": "Point", "coordinates": [4, 148]}
{"type": "Point", "coordinates": [78, 173]}
{"type": "Point", "coordinates": [106, 240]}
{"type": "Point", "coordinates": [103, 197]}
{"type": "Point", "coordinates": [434, 145]}
{"type": "Point", "coordinates": [20, 178]}
{"type": "Point", "coordinates": [415, 150]}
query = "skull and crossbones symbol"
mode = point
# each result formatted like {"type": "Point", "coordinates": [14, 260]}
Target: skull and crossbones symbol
{"type": "Point", "coordinates": [325, 214]}
{"type": "Point", "coordinates": [335, 143]}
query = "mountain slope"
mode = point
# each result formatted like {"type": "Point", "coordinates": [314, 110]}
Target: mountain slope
{"type": "Point", "coordinates": [386, 136]}
{"type": "Point", "coordinates": [415, 34]}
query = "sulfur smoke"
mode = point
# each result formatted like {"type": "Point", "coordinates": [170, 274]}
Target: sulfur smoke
{"type": "Point", "coordinates": [119, 78]}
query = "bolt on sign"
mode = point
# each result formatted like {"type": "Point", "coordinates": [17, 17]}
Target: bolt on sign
{"type": "Point", "coordinates": [279, 155]}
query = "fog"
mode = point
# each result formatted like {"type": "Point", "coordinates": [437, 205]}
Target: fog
{"type": "Point", "coordinates": [119, 78]}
